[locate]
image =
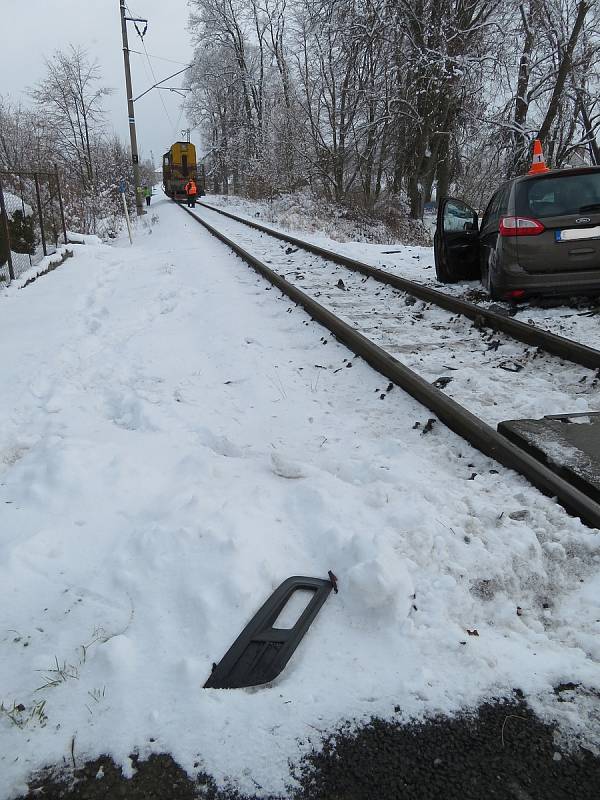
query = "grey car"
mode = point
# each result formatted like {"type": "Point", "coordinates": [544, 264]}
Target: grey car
{"type": "Point", "coordinates": [539, 235]}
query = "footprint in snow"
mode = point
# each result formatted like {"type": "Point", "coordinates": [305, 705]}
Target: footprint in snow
{"type": "Point", "coordinates": [285, 468]}
{"type": "Point", "coordinates": [219, 444]}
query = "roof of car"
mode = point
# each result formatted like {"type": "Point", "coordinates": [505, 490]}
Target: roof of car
{"type": "Point", "coordinates": [554, 173]}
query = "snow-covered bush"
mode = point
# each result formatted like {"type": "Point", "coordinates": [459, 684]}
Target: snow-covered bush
{"type": "Point", "coordinates": [21, 228]}
{"type": "Point", "coordinates": [306, 210]}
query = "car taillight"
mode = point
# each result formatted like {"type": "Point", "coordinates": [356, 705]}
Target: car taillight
{"type": "Point", "coordinates": [520, 226]}
{"type": "Point", "coordinates": [515, 294]}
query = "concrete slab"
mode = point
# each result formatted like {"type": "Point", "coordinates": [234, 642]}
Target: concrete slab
{"type": "Point", "coordinates": [568, 444]}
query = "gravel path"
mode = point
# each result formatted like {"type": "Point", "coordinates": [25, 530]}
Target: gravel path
{"type": "Point", "coordinates": [503, 752]}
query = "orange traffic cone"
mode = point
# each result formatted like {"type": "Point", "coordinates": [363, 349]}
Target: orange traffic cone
{"type": "Point", "coordinates": [538, 164]}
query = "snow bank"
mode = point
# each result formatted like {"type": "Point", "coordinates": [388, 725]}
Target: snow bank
{"type": "Point", "coordinates": [40, 268]}
{"type": "Point", "coordinates": [83, 238]}
{"type": "Point", "coordinates": [14, 203]}
{"type": "Point", "coordinates": [304, 211]}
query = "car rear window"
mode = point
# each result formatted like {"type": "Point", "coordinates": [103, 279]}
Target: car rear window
{"type": "Point", "coordinates": [559, 195]}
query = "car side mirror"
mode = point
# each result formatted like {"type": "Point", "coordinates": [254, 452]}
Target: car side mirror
{"type": "Point", "coordinates": [470, 226]}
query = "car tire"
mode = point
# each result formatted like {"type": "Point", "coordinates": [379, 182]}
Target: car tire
{"type": "Point", "coordinates": [487, 280]}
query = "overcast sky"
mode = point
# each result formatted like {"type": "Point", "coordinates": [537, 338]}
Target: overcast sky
{"type": "Point", "coordinates": [33, 29]}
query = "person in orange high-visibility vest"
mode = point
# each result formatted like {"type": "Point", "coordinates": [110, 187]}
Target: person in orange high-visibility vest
{"type": "Point", "coordinates": [191, 190]}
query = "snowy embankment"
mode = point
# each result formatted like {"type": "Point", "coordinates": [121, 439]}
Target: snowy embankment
{"type": "Point", "coordinates": [47, 264]}
{"type": "Point", "coordinates": [322, 218]}
{"type": "Point", "coordinates": [177, 439]}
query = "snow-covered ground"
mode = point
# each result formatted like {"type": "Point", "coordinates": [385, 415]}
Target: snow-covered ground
{"type": "Point", "coordinates": [177, 439]}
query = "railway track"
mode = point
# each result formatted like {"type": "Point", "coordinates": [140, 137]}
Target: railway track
{"type": "Point", "coordinates": [528, 334]}
{"type": "Point", "coordinates": [386, 320]}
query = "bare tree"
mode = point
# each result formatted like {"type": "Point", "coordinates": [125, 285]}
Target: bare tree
{"type": "Point", "coordinates": [71, 100]}
{"type": "Point", "coordinates": [372, 101]}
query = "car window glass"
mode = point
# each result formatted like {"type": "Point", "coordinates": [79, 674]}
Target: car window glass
{"type": "Point", "coordinates": [494, 214]}
{"type": "Point", "coordinates": [488, 212]}
{"type": "Point", "coordinates": [559, 195]}
{"type": "Point", "coordinates": [497, 207]}
{"type": "Point", "coordinates": [503, 199]}
{"type": "Point", "coordinates": [458, 216]}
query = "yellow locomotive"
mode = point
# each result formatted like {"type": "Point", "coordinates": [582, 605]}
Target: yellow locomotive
{"type": "Point", "coordinates": [179, 166]}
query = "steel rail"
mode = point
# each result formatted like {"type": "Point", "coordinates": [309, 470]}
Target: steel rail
{"type": "Point", "coordinates": [528, 334]}
{"type": "Point", "coordinates": [474, 430]}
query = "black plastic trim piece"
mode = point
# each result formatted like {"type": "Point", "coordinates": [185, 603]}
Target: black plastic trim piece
{"type": "Point", "coordinates": [529, 334]}
{"type": "Point", "coordinates": [260, 652]}
{"type": "Point", "coordinates": [456, 417]}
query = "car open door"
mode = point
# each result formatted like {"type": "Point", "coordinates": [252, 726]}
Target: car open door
{"type": "Point", "coordinates": [456, 242]}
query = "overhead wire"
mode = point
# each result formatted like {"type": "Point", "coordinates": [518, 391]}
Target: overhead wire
{"type": "Point", "coordinates": [139, 33]}
{"type": "Point", "coordinates": [160, 58]}
{"type": "Point", "coordinates": [174, 127]}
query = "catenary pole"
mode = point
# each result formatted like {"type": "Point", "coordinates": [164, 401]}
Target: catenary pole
{"type": "Point", "coordinates": [132, 134]}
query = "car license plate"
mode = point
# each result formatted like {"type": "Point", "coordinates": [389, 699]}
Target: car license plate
{"type": "Point", "coordinates": [572, 234]}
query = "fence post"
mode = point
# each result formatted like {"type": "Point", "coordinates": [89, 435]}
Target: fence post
{"type": "Point", "coordinates": [11, 273]}
{"type": "Point", "coordinates": [60, 203]}
{"type": "Point", "coordinates": [39, 205]}
{"type": "Point", "coordinates": [53, 228]}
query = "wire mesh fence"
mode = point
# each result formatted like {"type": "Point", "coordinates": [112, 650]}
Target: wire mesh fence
{"type": "Point", "coordinates": [32, 222]}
